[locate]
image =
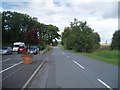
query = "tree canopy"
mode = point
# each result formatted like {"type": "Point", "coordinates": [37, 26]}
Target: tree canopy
{"type": "Point", "coordinates": [116, 40]}
{"type": "Point", "coordinates": [80, 37]}
{"type": "Point", "coordinates": [22, 27]}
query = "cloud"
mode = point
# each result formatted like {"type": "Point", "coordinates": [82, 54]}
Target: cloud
{"type": "Point", "coordinates": [70, 1]}
{"type": "Point", "coordinates": [101, 16]}
{"type": "Point", "coordinates": [96, 9]}
{"type": "Point", "coordinates": [105, 28]}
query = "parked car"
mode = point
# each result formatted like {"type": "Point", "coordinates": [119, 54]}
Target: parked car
{"type": "Point", "coordinates": [17, 45]}
{"type": "Point", "coordinates": [21, 49]}
{"type": "Point", "coordinates": [6, 50]}
{"type": "Point", "coordinates": [33, 50]}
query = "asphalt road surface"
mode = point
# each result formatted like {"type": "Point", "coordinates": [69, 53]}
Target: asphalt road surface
{"type": "Point", "coordinates": [64, 69]}
{"type": "Point", "coordinates": [14, 73]}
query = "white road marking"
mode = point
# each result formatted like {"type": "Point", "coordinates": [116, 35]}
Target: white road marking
{"type": "Point", "coordinates": [10, 67]}
{"type": "Point", "coordinates": [12, 73]}
{"type": "Point", "coordinates": [105, 84]}
{"type": "Point", "coordinates": [29, 80]}
{"type": "Point", "coordinates": [5, 60]}
{"type": "Point", "coordinates": [16, 58]}
{"type": "Point", "coordinates": [78, 64]}
{"type": "Point", "coordinates": [9, 59]}
{"type": "Point", "coordinates": [68, 56]}
{"type": "Point", "coordinates": [63, 52]}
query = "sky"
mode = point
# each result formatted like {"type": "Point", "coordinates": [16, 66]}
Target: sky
{"type": "Point", "coordinates": [100, 15]}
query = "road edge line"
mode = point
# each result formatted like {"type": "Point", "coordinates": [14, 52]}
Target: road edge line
{"type": "Point", "coordinates": [29, 80]}
{"type": "Point", "coordinates": [10, 67]}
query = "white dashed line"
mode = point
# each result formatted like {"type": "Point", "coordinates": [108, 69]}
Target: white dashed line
{"type": "Point", "coordinates": [63, 53]}
{"type": "Point", "coordinates": [68, 56]}
{"type": "Point", "coordinates": [105, 84]}
{"type": "Point", "coordinates": [10, 67]}
{"type": "Point", "coordinates": [78, 64]}
{"type": "Point", "coordinates": [12, 73]}
{"type": "Point", "coordinates": [9, 59]}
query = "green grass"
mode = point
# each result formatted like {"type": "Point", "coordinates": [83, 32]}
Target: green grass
{"type": "Point", "coordinates": [105, 54]}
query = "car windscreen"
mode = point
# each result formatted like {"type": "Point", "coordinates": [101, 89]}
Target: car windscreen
{"type": "Point", "coordinates": [21, 47]}
{"type": "Point", "coordinates": [4, 48]}
{"type": "Point", "coordinates": [16, 45]}
{"type": "Point", "coordinates": [32, 48]}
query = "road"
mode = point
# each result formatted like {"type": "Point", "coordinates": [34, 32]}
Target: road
{"type": "Point", "coordinates": [64, 69]}
{"type": "Point", "coordinates": [14, 73]}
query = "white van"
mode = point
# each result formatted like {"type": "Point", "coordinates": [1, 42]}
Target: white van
{"type": "Point", "coordinates": [17, 45]}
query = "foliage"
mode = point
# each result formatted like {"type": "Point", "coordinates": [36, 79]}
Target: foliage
{"type": "Point", "coordinates": [105, 55]}
{"type": "Point", "coordinates": [65, 35]}
{"type": "Point", "coordinates": [55, 43]}
{"type": "Point", "coordinates": [14, 25]}
{"type": "Point", "coordinates": [50, 34]}
{"type": "Point", "coordinates": [21, 27]}
{"type": "Point", "coordinates": [80, 37]}
{"type": "Point", "coordinates": [116, 40]}
{"type": "Point", "coordinates": [31, 37]}
{"type": "Point", "coordinates": [24, 53]}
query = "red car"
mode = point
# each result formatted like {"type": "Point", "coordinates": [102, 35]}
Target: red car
{"type": "Point", "coordinates": [21, 49]}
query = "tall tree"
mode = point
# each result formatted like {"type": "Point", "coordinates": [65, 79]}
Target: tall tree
{"type": "Point", "coordinates": [80, 37]}
{"type": "Point", "coordinates": [50, 34]}
{"type": "Point", "coordinates": [116, 40]}
{"type": "Point", "coordinates": [17, 25]}
{"type": "Point", "coordinates": [65, 35]}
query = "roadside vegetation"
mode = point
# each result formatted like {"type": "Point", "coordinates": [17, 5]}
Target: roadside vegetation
{"type": "Point", "coordinates": [19, 27]}
{"type": "Point", "coordinates": [80, 38]}
{"type": "Point", "coordinates": [104, 54]}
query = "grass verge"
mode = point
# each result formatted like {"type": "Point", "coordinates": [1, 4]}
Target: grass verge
{"type": "Point", "coordinates": [105, 55]}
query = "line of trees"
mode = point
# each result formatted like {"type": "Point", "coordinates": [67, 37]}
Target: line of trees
{"type": "Point", "coordinates": [22, 27]}
{"type": "Point", "coordinates": [80, 37]}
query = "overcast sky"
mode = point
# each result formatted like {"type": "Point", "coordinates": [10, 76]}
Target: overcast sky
{"type": "Point", "coordinates": [101, 15]}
